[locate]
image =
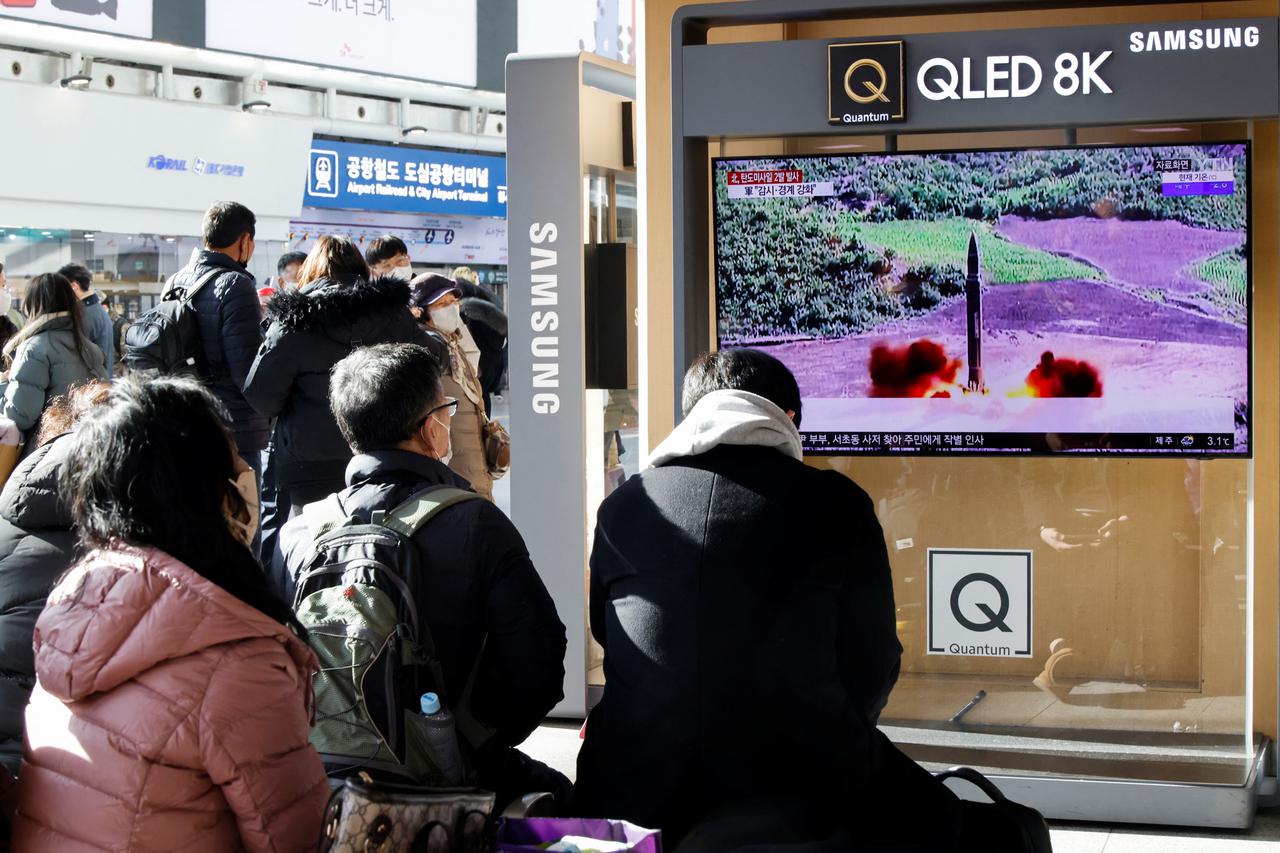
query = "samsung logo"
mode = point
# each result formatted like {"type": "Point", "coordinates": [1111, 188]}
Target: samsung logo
{"type": "Point", "coordinates": [544, 298]}
{"type": "Point", "coordinates": [1197, 38]}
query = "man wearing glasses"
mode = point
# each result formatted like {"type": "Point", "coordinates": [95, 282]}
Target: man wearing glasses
{"type": "Point", "coordinates": [491, 617]}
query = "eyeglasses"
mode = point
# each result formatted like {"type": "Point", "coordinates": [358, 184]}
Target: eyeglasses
{"type": "Point", "coordinates": [450, 403]}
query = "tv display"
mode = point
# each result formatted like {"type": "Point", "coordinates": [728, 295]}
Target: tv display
{"type": "Point", "coordinates": [1058, 300]}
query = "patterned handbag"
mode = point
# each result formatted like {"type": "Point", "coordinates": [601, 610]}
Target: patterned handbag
{"type": "Point", "coordinates": [367, 817]}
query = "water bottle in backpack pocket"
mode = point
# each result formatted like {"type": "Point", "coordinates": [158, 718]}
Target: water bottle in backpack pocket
{"type": "Point", "coordinates": [358, 597]}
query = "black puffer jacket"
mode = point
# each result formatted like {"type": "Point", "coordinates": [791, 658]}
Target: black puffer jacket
{"type": "Point", "coordinates": [230, 333]}
{"type": "Point", "coordinates": [36, 547]}
{"type": "Point", "coordinates": [309, 331]}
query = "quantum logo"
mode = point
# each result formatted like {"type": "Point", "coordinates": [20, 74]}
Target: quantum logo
{"type": "Point", "coordinates": [865, 82]}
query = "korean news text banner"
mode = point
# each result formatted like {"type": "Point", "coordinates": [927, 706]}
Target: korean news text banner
{"type": "Point", "coordinates": [121, 17]}
{"type": "Point", "coordinates": [431, 40]}
{"type": "Point", "coordinates": [396, 179]}
{"type": "Point", "coordinates": [1201, 70]}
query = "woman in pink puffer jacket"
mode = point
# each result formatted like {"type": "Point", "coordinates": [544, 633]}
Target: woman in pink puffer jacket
{"type": "Point", "coordinates": [174, 692]}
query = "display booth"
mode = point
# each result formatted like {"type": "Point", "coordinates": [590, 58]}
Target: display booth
{"type": "Point", "coordinates": [1022, 260]}
{"type": "Point", "coordinates": [572, 321]}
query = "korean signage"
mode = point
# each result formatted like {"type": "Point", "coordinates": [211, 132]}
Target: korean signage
{"type": "Point", "coordinates": [1170, 71]}
{"type": "Point", "coordinates": [980, 603]}
{"type": "Point", "coordinates": [355, 176]}
{"type": "Point", "coordinates": [122, 17]}
{"type": "Point", "coordinates": [422, 39]}
{"type": "Point", "coordinates": [195, 165]}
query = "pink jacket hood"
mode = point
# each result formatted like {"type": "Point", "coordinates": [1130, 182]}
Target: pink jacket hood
{"type": "Point", "coordinates": [101, 629]}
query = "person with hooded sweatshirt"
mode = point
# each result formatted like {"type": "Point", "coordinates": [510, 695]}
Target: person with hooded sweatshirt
{"type": "Point", "coordinates": [48, 355]}
{"type": "Point", "coordinates": [745, 605]}
{"type": "Point", "coordinates": [37, 544]}
{"type": "Point", "coordinates": [174, 690]}
{"type": "Point", "coordinates": [336, 309]}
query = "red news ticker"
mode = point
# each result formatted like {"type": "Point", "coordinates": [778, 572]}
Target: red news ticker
{"type": "Point", "coordinates": [783, 176]}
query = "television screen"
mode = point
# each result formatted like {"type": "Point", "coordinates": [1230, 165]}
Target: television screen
{"type": "Point", "coordinates": [1059, 300]}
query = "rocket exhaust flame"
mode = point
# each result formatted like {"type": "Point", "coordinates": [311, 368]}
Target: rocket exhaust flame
{"type": "Point", "coordinates": [1063, 377]}
{"type": "Point", "coordinates": [921, 369]}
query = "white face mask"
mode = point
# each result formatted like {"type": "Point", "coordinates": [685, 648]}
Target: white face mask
{"type": "Point", "coordinates": [448, 319]}
{"type": "Point", "coordinates": [448, 441]}
{"type": "Point", "coordinates": [404, 273]}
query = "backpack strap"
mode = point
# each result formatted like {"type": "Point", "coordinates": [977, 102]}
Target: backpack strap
{"type": "Point", "coordinates": [324, 515]}
{"type": "Point", "coordinates": [188, 293]}
{"type": "Point", "coordinates": [412, 515]}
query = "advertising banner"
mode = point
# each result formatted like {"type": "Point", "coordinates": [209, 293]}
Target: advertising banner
{"type": "Point", "coordinates": [396, 179]}
{"type": "Point", "coordinates": [121, 17]}
{"type": "Point", "coordinates": [1202, 70]}
{"type": "Point", "coordinates": [431, 40]}
{"type": "Point", "coordinates": [157, 182]}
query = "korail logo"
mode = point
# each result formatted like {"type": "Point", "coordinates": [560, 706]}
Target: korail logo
{"type": "Point", "coordinates": [323, 180]}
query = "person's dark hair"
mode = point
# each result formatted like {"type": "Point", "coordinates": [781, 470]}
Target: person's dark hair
{"type": "Point", "coordinates": [741, 370]}
{"type": "Point", "coordinates": [51, 293]}
{"type": "Point", "coordinates": [288, 259]}
{"type": "Point", "coordinates": [226, 222]}
{"type": "Point", "coordinates": [77, 274]}
{"type": "Point", "coordinates": [153, 466]}
{"type": "Point", "coordinates": [332, 257]}
{"type": "Point", "coordinates": [384, 249]}
{"type": "Point", "coordinates": [8, 329]}
{"type": "Point", "coordinates": [380, 394]}
{"type": "Point", "coordinates": [66, 410]}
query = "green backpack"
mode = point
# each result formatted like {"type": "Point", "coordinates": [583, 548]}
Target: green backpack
{"type": "Point", "coordinates": [358, 598]}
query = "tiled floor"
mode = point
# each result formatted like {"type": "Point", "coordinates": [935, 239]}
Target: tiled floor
{"type": "Point", "coordinates": [557, 744]}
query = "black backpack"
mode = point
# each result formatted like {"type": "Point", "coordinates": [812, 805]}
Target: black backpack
{"type": "Point", "coordinates": [166, 339]}
{"type": "Point", "coordinates": [358, 597]}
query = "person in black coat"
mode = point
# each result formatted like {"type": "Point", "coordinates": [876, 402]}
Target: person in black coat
{"type": "Point", "coordinates": [335, 309]}
{"type": "Point", "coordinates": [745, 605]}
{"type": "Point", "coordinates": [487, 323]}
{"type": "Point", "coordinates": [487, 608]}
{"type": "Point", "coordinates": [37, 544]}
{"type": "Point", "coordinates": [229, 318]}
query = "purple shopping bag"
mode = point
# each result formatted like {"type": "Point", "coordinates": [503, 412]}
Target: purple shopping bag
{"type": "Point", "coordinates": [523, 835]}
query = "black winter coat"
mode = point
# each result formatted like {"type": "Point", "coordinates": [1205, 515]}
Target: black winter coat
{"type": "Point", "coordinates": [309, 331]}
{"type": "Point", "coordinates": [230, 333]}
{"type": "Point", "coordinates": [479, 583]}
{"type": "Point", "coordinates": [36, 546]}
{"type": "Point", "coordinates": [745, 605]}
{"type": "Point", "coordinates": [482, 312]}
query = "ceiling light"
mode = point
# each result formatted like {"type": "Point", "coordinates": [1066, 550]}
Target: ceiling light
{"type": "Point", "coordinates": [843, 147]}
{"type": "Point", "coordinates": [81, 68]}
{"type": "Point", "coordinates": [1159, 130]}
{"type": "Point", "coordinates": [254, 95]}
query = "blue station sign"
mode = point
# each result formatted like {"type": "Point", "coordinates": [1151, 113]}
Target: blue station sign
{"type": "Point", "coordinates": [356, 176]}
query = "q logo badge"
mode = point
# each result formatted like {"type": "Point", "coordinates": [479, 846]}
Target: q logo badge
{"type": "Point", "coordinates": [866, 83]}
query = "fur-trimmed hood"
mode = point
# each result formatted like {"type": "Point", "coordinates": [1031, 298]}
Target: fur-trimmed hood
{"type": "Point", "coordinates": [338, 302]}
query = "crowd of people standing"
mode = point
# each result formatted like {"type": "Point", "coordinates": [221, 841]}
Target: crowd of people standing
{"type": "Point", "coordinates": [161, 535]}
